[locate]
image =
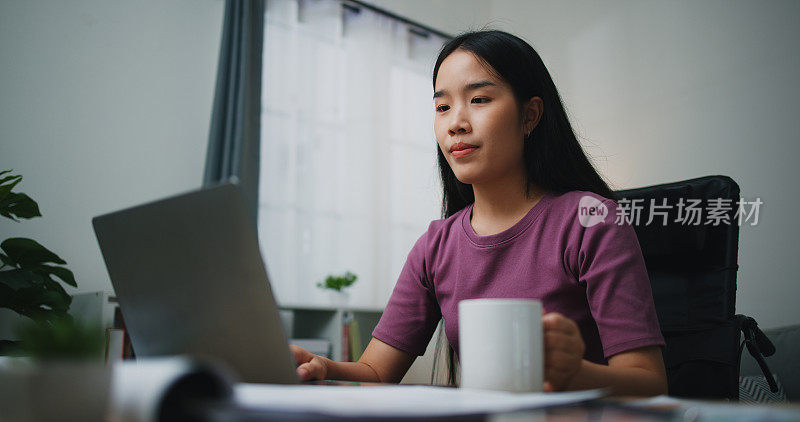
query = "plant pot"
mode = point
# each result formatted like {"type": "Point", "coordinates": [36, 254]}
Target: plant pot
{"type": "Point", "coordinates": [54, 390]}
{"type": "Point", "coordinates": [338, 298]}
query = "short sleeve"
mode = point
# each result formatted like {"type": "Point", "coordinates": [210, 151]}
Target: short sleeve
{"type": "Point", "coordinates": [411, 316]}
{"type": "Point", "coordinates": [612, 268]}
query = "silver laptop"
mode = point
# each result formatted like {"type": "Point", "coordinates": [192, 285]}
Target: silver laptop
{"type": "Point", "coordinates": [190, 280]}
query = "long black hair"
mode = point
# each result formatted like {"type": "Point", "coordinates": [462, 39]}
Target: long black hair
{"type": "Point", "coordinates": [554, 160]}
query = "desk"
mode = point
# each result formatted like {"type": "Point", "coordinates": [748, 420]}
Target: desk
{"type": "Point", "coordinates": [610, 409]}
{"type": "Point", "coordinates": [175, 388]}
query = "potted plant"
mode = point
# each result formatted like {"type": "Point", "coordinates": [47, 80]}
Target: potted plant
{"type": "Point", "coordinates": [56, 369]}
{"type": "Point", "coordinates": [58, 362]}
{"type": "Point", "coordinates": [336, 285]}
{"type": "Point", "coordinates": [31, 276]}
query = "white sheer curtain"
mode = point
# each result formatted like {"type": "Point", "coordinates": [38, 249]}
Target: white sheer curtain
{"type": "Point", "coordinates": [348, 170]}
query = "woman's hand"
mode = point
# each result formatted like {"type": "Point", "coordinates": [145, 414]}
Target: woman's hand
{"type": "Point", "coordinates": [309, 365]}
{"type": "Point", "coordinates": [563, 351]}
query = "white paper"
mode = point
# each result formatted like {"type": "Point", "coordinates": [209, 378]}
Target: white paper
{"type": "Point", "coordinates": [138, 387]}
{"type": "Point", "coordinates": [388, 401]}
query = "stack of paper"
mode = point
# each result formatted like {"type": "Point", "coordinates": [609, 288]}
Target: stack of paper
{"type": "Point", "coordinates": [396, 401]}
{"type": "Point", "coordinates": [150, 387]}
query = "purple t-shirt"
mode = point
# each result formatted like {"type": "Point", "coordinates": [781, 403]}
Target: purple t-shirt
{"type": "Point", "coordinates": [593, 275]}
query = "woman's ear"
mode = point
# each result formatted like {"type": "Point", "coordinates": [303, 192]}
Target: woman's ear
{"type": "Point", "coordinates": [532, 114]}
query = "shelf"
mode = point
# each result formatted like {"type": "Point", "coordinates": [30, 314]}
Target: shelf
{"type": "Point", "coordinates": [332, 308]}
{"type": "Point", "coordinates": [326, 322]}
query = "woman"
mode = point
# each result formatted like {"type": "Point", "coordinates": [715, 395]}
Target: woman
{"type": "Point", "coordinates": [513, 176]}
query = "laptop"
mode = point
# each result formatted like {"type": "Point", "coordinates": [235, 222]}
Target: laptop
{"type": "Point", "coordinates": [190, 279]}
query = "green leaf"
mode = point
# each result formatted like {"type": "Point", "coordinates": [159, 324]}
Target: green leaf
{"type": "Point", "coordinates": [28, 253]}
{"type": "Point", "coordinates": [55, 286]}
{"type": "Point", "coordinates": [5, 296]}
{"type": "Point", "coordinates": [10, 179]}
{"type": "Point", "coordinates": [37, 314]}
{"type": "Point", "coordinates": [7, 261]}
{"type": "Point", "coordinates": [33, 293]}
{"type": "Point", "coordinates": [338, 282]}
{"type": "Point", "coordinates": [7, 178]}
{"type": "Point", "coordinates": [9, 184]}
{"type": "Point", "coordinates": [35, 311]}
{"type": "Point", "coordinates": [55, 297]}
{"type": "Point", "coordinates": [41, 298]}
{"type": "Point", "coordinates": [61, 337]}
{"type": "Point", "coordinates": [5, 171]}
{"type": "Point", "coordinates": [31, 298]}
{"type": "Point", "coordinates": [19, 205]}
{"type": "Point", "coordinates": [64, 274]}
{"type": "Point", "coordinates": [7, 215]}
{"type": "Point", "coordinates": [16, 279]}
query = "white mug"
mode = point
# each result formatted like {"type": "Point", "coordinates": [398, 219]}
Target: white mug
{"type": "Point", "coordinates": [500, 342]}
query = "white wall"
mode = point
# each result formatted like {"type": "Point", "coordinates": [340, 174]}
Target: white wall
{"type": "Point", "coordinates": [664, 91]}
{"type": "Point", "coordinates": [103, 105]}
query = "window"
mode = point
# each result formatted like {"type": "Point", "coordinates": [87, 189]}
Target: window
{"type": "Point", "coordinates": [348, 154]}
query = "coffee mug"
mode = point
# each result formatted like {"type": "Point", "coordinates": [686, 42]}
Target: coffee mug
{"type": "Point", "coordinates": [500, 343]}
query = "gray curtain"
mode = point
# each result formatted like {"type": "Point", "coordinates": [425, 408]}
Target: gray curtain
{"type": "Point", "coordinates": [233, 141]}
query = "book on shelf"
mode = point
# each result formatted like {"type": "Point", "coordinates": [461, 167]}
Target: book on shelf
{"type": "Point", "coordinates": [127, 346]}
{"type": "Point", "coordinates": [115, 344]}
{"type": "Point", "coordinates": [346, 357]}
{"type": "Point", "coordinates": [356, 348]}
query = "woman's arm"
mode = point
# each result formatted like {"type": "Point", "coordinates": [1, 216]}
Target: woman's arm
{"type": "Point", "coordinates": [380, 362]}
{"type": "Point", "coordinates": [637, 372]}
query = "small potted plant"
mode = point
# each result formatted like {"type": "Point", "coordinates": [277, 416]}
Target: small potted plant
{"type": "Point", "coordinates": [54, 369]}
{"type": "Point", "coordinates": [59, 362]}
{"type": "Point", "coordinates": [31, 275]}
{"type": "Point", "coordinates": [336, 285]}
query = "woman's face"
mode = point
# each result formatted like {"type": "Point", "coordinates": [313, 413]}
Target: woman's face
{"type": "Point", "coordinates": [477, 122]}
